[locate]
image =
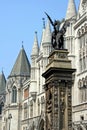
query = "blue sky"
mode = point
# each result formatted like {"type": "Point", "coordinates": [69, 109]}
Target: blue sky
{"type": "Point", "coordinates": [19, 19]}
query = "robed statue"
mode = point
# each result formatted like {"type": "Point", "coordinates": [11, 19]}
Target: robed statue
{"type": "Point", "coordinates": [59, 27]}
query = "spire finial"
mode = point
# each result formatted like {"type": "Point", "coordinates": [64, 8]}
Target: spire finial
{"type": "Point", "coordinates": [22, 45]}
{"type": "Point", "coordinates": [2, 70]}
{"type": "Point", "coordinates": [43, 22]}
{"type": "Point", "coordinates": [36, 32]}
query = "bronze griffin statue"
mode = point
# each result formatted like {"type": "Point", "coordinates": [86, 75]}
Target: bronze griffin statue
{"type": "Point", "coordinates": [57, 39]}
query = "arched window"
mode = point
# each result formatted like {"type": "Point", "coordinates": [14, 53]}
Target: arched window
{"type": "Point", "coordinates": [1, 106]}
{"type": "Point", "coordinates": [14, 95]}
{"type": "Point", "coordinates": [38, 107]}
{"type": "Point", "coordinates": [31, 108]}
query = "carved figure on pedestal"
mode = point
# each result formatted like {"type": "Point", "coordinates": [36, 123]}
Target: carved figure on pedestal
{"type": "Point", "coordinates": [49, 108]}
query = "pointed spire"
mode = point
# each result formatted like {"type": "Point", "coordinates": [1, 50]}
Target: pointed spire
{"type": "Point", "coordinates": [43, 32]}
{"type": "Point", "coordinates": [35, 49]}
{"type": "Point", "coordinates": [43, 36]}
{"type": "Point", "coordinates": [43, 22]}
{"type": "Point", "coordinates": [42, 40]}
{"type": "Point", "coordinates": [21, 66]}
{"type": "Point", "coordinates": [2, 71]}
{"type": "Point", "coordinates": [71, 10]}
{"type": "Point", "coordinates": [22, 44]}
{"type": "Point", "coordinates": [48, 32]}
{"type": "Point", "coordinates": [2, 82]}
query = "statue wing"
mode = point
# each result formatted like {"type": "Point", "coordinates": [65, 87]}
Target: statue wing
{"type": "Point", "coordinates": [64, 26]}
{"type": "Point", "coordinates": [50, 19]}
{"type": "Point", "coordinates": [61, 25]}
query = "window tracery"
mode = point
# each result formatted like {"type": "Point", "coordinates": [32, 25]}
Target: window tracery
{"type": "Point", "coordinates": [82, 34]}
{"type": "Point", "coordinates": [82, 85]}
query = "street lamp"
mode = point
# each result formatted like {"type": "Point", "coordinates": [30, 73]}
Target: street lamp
{"type": "Point", "coordinates": [9, 117]}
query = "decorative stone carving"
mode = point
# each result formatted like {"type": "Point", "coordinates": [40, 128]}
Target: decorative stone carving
{"type": "Point", "coordinates": [62, 55]}
{"type": "Point", "coordinates": [58, 82]}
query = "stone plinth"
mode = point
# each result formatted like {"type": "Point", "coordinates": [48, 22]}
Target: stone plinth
{"type": "Point", "coordinates": [58, 90]}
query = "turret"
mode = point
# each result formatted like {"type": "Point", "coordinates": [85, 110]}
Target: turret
{"type": "Point", "coordinates": [70, 34]}
{"type": "Point", "coordinates": [2, 91]}
{"type": "Point", "coordinates": [2, 95]}
{"type": "Point", "coordinates": [21, 66]}
{"type": "Point", "coordinates": [2, 83]}
{"type": "Point", "coordinates": [47, 47]}
{"type": "Point", "coordinates": [71, 9]}
{"type": "Point", "coordinates": [19, 74]}
{"type": "Point", "coordinates": [34, 67]}
{"type": "Point", "coordinates": [35, 50]}
{"type": "Point", "coordinates": [48, 33]}
{"type": "Point", "coordinates": [42, 38]}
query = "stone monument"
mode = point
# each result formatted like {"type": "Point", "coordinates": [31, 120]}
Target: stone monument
{"type": "Point", "coordinates": [58, 89]}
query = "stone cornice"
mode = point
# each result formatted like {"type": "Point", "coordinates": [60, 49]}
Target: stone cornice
{"type": "Point", "coordinates": [80, 20]}
{"type": "Point", "coordinates": [79, 108]}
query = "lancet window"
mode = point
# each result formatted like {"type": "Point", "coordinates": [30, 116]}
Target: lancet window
{"type": "Point", "coordinates": [1, 106]}
{"type": "Point", "coordinates": [14, 94]}
{"type": "Point", "coordinates": [38, 107]}
{"type": "Point", "coordinates": [31, 108]}
{"type": "Point", "coordinates": [25, 110]}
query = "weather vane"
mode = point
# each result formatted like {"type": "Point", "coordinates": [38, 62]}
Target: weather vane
{"type": "Point", "coordinates": [22, 44]}
{"type": "Point", "coordinates": [43, 22]}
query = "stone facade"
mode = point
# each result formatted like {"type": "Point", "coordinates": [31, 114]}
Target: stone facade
{"type": "Point", "coordinates": [24, 107]}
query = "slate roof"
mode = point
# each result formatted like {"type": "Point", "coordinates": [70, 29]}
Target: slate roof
{"type": "Point", "coordinates": [2, 83]}
{"type": "Point", "coordinates": [22, 65]}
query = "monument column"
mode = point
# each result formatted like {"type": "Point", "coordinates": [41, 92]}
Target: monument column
{"type": "Point", "coordinates": [58, 91]}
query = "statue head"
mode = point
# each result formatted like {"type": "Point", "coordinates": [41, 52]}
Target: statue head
{"type": "Point", "coordinates": [56, 22]}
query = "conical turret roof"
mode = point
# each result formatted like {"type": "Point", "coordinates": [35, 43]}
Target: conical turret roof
{"type": "Point", "coordinates": [42, 40]}
{"type": "Point", "coordinates": [22, 65]}
{"type": "Point", "coordinates": [48, 33]}
{"type": "Point", "coordinates": [2, 83]}
{"type": "Point", "coordinates": [71, 10]}
{"type": "Point", "coordinates": [35, 49]}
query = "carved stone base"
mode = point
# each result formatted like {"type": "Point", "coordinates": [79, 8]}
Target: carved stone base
{"type": "Point", "coordinates": [58, 90]}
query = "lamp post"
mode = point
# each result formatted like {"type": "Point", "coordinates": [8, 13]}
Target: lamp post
{"type": "Point", "coordinates": [9, 117]}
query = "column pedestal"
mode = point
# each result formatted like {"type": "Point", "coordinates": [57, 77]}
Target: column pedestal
{"type": "Point", "coordinates": [58, 91]}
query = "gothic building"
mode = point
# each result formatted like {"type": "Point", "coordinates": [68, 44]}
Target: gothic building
{"type": "Point", "coordinates": [22, 96]}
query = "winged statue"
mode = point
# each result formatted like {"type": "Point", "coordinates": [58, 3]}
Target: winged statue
{"type": "Point", "coordinates": [59, 27]}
